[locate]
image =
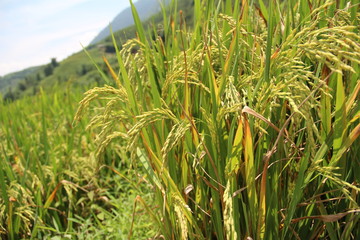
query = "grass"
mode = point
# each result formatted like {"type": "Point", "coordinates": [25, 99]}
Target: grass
{"type": "Point", "coordinates": [51, 185]}
{"type": "Point", "coordinates": [247, 125]}
{"type": "Point", "coordinates": [244, 125]}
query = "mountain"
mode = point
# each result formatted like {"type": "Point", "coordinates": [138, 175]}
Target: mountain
{"type": "Point", "coordinates": [12, 79]}
{"type": "Point", "coordinates": [78, 70]}
{"type": "Point", "coordinates": [145, 8]}
{"type": "Point", "coordinates": [75, 71]}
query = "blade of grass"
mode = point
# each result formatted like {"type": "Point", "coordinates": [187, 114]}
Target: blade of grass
{"type": "Point", "coordinates": [250, 173]}
{"type": "Point", "coordinates": [297, 195]}
{"type": "Point", "coordinates": [153, 81]}
{"type": "Point", "coordinates": [125, 77]}
{"type": "Point", "coordinates": [103, 75]}
{"type": "Point", "coordinates": [340, 120]}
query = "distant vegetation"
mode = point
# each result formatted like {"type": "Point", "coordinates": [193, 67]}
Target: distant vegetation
{"type": "Point", "coordinates": [146, 9]}
{"type": "Point", "coordinates": [30, 84]}
{"type": "Point", "coordinates": [76, 70]}
{"type": "Point", "coordinates": [237, 121]}
{"type": "Point", "coordinates": [11, 80]}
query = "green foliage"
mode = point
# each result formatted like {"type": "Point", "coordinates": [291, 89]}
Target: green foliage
{"type": "Point", "coordinates": [22, 86]}
{"type": "Point", "coordinates": [50, 184]}
{"type": "Point", "coordinates": [238, 121]}
{"type": "Point", "coordinates": [48, 70]}
{"type": "Point", "coordinates": [10, 96]}
{"type": "Point", "coordinates": [247, 127]}
{"type": "Point", "coordinates": [11, 80]}
{"type": "Point", "coordinates": [54, 63]}
{"type": "Point", "coordinates": [75, 71]}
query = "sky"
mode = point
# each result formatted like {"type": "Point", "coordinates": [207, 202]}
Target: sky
{"type": "Point", "coordinates": [34, 31]}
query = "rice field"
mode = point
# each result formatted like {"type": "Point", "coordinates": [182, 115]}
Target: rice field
{"type": "Point", "coordinates": [52, 185]}
{"type": "Point", "coordinates": [243, 126]}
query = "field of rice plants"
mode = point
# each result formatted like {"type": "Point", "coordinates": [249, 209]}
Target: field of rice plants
{"type": "Point", "coordinates": [243, 126]}
{"type": "Point", "coordinates": [52, 185]}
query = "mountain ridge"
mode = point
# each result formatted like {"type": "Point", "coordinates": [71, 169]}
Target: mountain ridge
{"type": "Point", "coordinates": [145, 9]}
{"type": "Point", "coordinates": [78, 70]}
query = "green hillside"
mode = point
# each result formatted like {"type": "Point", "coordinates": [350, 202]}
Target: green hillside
{"type": "Point", "coordinates": [11, 80]}
{"type": "Point", "coordinates": [78, 70]}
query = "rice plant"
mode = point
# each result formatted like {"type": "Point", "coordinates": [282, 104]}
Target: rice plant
{"type": "Point", "coordinates": [246, 123]}
{"type": "Point", "coordinates": [49, 175]}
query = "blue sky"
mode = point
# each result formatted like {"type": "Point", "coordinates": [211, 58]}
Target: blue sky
{"type": "Point", "coordinates": [34, 31]}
